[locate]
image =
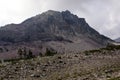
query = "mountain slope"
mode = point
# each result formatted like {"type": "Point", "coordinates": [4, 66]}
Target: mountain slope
{"type": "Point", "coordinates": [117, 40]}
{"type": "Point", "coordinates": [62, 31]}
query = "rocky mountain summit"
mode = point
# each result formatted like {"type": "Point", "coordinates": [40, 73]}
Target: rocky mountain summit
{"type": "Point", "coordinates": [62, 31]}
{"type": "Point", "coordinates": [51, 26]}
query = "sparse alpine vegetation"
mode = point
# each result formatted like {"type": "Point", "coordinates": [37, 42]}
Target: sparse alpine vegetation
{"type": "Point", "coordinates": [105, 50]}
{"type": "Point", "coordinates": [77, 66]}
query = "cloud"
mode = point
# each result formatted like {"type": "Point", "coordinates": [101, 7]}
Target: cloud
{"type": "Point", "coordinates": [102, 15]}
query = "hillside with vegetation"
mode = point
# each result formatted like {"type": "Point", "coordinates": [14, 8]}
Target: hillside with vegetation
{"type": "Point", "coordinates": [100, 64]}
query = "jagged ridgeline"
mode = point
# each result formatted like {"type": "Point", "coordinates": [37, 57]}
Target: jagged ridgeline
{"type": "Point", "coordinates": [50, 26]}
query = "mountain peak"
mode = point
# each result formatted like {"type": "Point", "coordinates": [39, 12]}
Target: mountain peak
{"type": "Point", "coordinates": [52, 26]}
{"type": "Point", "coordinates": [67, 12]}
{"type": "Point", "coordinates": [50, 12]}
{"type": "Point", "coordinates": [53, 11]}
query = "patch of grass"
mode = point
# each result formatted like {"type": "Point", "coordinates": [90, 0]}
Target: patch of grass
{"type": "Point", "coordinates": [117, 78]}
{"type": "Point", "coordinates": [111, 47]}
{"type": "Point", "coordinates": [50, 52]}
{"type": "Point", "coordinates": [92, 51]}
{"type": "Point", "coordinates": [2, 78]}
{"type": "Point", "coordinates": [1, 66]}
{"type": "Point", "coordinates": [102, 50]}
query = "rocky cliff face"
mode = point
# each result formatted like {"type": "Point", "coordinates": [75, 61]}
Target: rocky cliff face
{"type": "Point", "coordinates": [54, 27]}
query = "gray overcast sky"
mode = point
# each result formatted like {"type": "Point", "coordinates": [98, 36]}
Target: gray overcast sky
{"type": "Point", "coordinates": [102, 15]}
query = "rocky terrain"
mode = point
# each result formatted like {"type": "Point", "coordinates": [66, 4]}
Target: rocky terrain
{"type": "Point", "coordinates": [61, 31]}
{"type": "Point", "coordinates": [57, 46]}
{"type": "Point", "coordinates": [100, 64]}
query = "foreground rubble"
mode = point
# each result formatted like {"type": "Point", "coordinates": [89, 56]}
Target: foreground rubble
{"type": "Point", "coordinates": [77, 66]}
